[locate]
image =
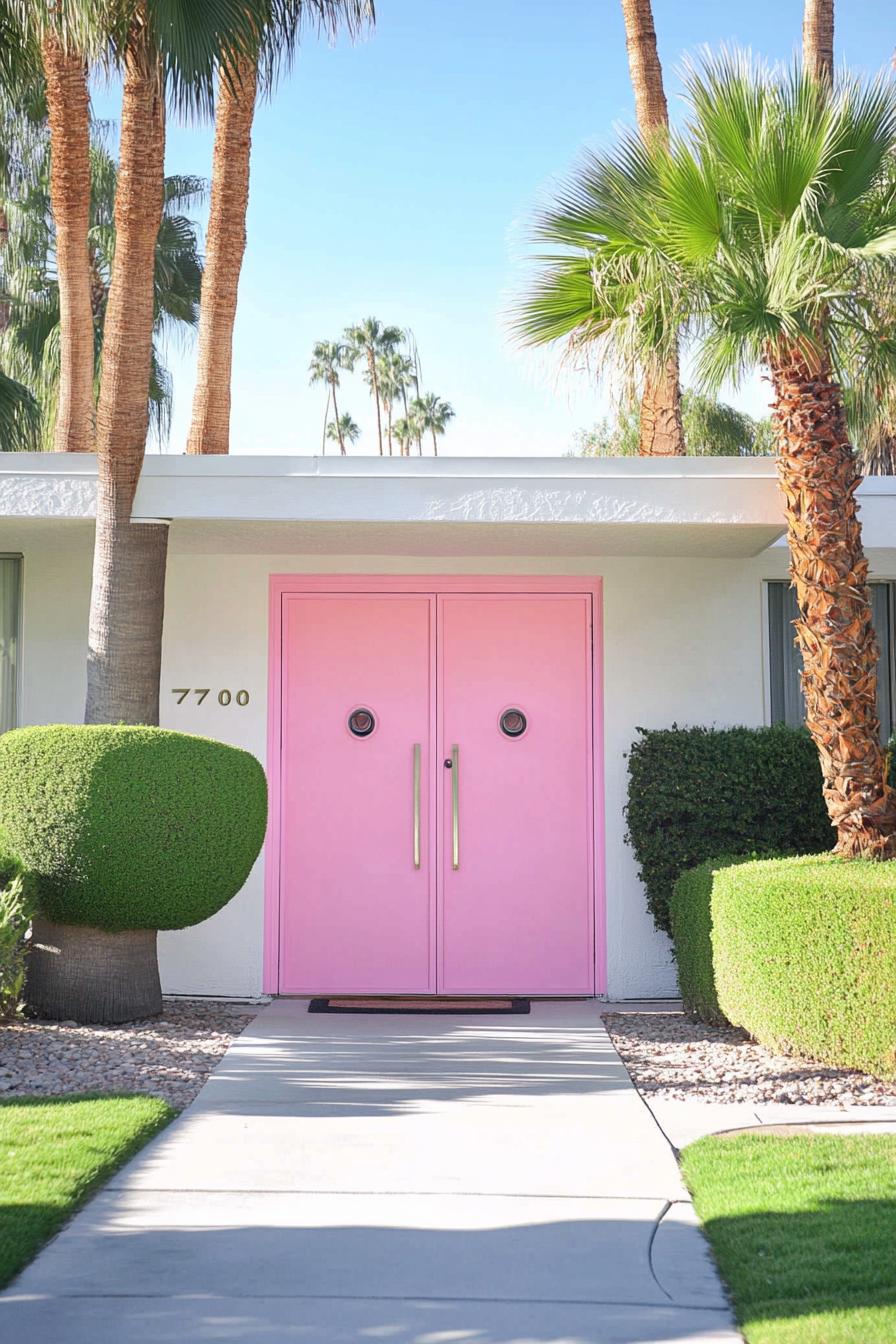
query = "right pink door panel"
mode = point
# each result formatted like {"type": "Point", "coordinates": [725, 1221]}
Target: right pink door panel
{"type": "Point", "coordinates": [516, 887]}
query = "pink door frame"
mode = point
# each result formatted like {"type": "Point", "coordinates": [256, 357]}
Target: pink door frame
{"type": "Point", "coordinates": [283, 584]}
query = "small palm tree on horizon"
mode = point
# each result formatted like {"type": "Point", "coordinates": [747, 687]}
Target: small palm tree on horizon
{"type": "Point", "coordinates": [433, 415]}
{"type": "Point", "coordinates": [369, 340]}
{"type": "Point", "coordinates": [328, 360]}
{"type": "Point", "coordinates": [405, 433]}
{"type": "Point", "coordinates": [342, 430]}
{"type": "Point", "coordinates": [393, 372]}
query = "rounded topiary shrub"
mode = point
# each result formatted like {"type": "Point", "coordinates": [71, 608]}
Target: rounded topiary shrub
{"type": "Point", "coordinates": [130, 827]}
{"type": "Point", "coordinates": [804, 957]}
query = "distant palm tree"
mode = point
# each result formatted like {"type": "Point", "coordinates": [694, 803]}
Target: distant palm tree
{"type": "Point", "coordinates": [434, 415]}
{"type": "Point", "coordinates": [405, 432]}
{"type": "Point", "coordinates": [414, 377]}
{"type": "Point", "coordinates": [369, 340]}
{"type": "Point", "coordinates": [393, 373]}
{"type": "Point", "coordinates": [341, 430]}
{"type": "Point", "coordinates": [328, 359]}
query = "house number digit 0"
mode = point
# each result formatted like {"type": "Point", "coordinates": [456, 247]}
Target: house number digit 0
{"type": "Point", "coordinates": [225, 697]}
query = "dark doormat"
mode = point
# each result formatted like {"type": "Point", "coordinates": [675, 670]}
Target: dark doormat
{"type": "Point", "coordinates": [439, 1007]}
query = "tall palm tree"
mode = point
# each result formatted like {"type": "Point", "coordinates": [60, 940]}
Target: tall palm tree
{"type": "Point", "coordinates": [368, 340]}
{"type": "Point", "coordinates": [238, 86]}
{"type": "Point", "coordinates": [165, 49]}
{"type": "Point", "coordinates": [343, 430]}
{"type": "Point", "coordinates": [434, 416]}
{"type": "Point", "coordinates": [44, 49]}
{"type": "Point", "coordinates": [771, 232]}
{"type": "Point", "coordinates": [328, 359]}
{"type": "Point", "coordinates": [818, 38]}
{"type": "Point", "coordinates": [661, 431]}
{"type": "Point", "coordinates": [68, 105]}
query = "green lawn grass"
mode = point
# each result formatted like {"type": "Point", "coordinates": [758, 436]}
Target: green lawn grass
{"type": "Point", "coordinates": [56, 1151]}
{"type": "Point", "coordinates": [804, 1232]}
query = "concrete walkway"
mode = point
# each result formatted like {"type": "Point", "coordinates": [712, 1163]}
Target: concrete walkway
{"type": "Point", "coordinates": [391, 1180]}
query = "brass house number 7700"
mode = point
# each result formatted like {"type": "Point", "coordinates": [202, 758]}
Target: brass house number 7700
{"type": "Point", "coordinates": [224, 697]}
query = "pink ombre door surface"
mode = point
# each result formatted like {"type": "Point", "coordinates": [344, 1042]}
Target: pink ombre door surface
{"type": "Point", "coordinates": [357, 900]}
{"type": "Point", "coordinates": [516, 886]}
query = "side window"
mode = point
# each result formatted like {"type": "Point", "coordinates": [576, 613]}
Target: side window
{"type": "Point", "coordinates": [786, 663]}
{"type": "Point", "coordinates": [10, 611]}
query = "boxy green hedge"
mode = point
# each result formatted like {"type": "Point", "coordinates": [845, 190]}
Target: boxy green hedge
{"type": "Point", "coordinates": [804, 954]}
{"type": "Point", "coordinates": [690, 917]}
{"type": "Point", "coordinates": [695, 793]}
{"type": "Point", "coordinates": [129, 827]}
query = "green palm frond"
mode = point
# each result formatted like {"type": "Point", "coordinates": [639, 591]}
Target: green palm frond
{"type": "Point", "coordinates": [770, 218]}
{"type": "Point", "coordinates": [19, 417]}
{"type": "Point", "coordinates": [29, 345]}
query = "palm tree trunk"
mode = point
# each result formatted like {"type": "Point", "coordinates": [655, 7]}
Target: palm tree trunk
{"type": "Point", "coordinates": [644, 66]}
{"type": "Point", "coordinates": [818, 474]}
{"type": "Point", "coordinates": [323, 440]}
{"type": "Point", "coordinates": [389, 426]}
{"type": "Point", "coordinates": [661, 433]}
{"type": "Point", "coordinates": [818, 39]}
{"type": "Point", "coordinates": [371, 364]}
{"type": "Point", "coordinates": [339, 433]}
{"type": "Point", "coordinates": [405, 443]}
{"type": "Point", "coordinates": [225, 246]}
{"type": "Point", "coordinates": [127, 598]}
{"type": "Point", "coordinates": [435, 446]}
{"type": "Point", "coordinates": [68, 108]}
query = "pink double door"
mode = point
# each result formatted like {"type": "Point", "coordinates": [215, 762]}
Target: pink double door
{"type": "Point", "coordinates": [436, 794]}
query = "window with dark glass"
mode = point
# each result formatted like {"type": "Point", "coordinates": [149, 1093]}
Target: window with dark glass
{"type": "Point", "coordinates": [10, 600]}
{"type": "Point", "coordinates": [786, 662]}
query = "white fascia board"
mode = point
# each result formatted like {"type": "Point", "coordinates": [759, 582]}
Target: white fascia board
{"type": "Point", "coordinates": [607, 491]}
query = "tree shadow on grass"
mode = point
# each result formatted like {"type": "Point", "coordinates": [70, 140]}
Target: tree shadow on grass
{"type": "Point", "coordinates": [55, 1152]}
{"type": "Point", "coordinates": [792, 1266]}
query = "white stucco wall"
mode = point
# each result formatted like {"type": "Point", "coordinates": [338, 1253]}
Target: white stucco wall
{"type": "Point", "coordinates": [682, 642]}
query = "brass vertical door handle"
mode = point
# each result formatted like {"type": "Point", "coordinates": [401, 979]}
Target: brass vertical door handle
{"type": "Point", "coordinates": [416, 804]}
{"type": "Point", "coordinates": [455, 807]}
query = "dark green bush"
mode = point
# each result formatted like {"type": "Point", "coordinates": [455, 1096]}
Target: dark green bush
{"type": "Point", "coordinates": [690, 917]}
{"type": "Point", "coordinates": [695, 793]}
{"type": "Point", "coordinates": [128, 827]}
{"type": "Point", "coordinates": [804, 953]}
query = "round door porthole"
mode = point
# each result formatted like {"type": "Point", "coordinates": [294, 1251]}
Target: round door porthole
{"type": "Point", "coordinates": [361, 722]}
{"type": "Point", "coordinates": [513, 723]}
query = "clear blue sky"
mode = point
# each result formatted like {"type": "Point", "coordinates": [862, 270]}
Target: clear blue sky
{"type": "Point", "coordinates": [396, 177]}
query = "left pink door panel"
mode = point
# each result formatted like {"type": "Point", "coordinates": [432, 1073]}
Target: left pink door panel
{"type": "Point", "coordinates": [357, 915]}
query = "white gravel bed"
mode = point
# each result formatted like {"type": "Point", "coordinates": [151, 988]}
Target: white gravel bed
{"type": "Point", "coordinates": [673, 1058]}
{"type": "Point", "coordinates": [168, 1056]}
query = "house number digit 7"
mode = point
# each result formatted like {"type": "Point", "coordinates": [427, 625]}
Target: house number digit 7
{"type": "Point", "coordinates": [225, 697]}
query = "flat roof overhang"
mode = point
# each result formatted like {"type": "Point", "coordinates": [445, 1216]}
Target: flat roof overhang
{"type": "Point", "coordinates": [725, 507]}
